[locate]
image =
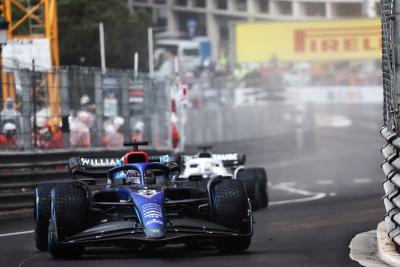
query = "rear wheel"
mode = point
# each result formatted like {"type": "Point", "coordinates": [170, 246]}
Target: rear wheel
{"type": "Point", "coordinates": [262, 178]}
{"type": "Point", "coordinates": [255, 181]}
{"type": "Point", "coordinates": [42, 215]}
{"type": "Point", "coordinates": [231, 209]}
{"type": "Point", "coordinates": [69, 215]}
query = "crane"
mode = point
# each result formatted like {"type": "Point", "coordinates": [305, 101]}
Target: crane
{"type": "Point", "coordinates": [27, 20]}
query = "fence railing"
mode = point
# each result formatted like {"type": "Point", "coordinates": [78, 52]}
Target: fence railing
{"type": "Point", "coordinates": [390, 32]}
{"type": "Point", "coordinates": [82, 107]}
{"type": "Point", "coordinates": [230, 123]}
{"type": "Point", "coordinates": [390, 11]}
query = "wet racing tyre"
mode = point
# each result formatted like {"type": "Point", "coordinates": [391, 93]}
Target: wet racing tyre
{"type": "Point", "coordinates": [69, 215]}
{"type": "Point", "coordinates": [230, 208]}
{"type": "Point", "coordinates": [262, 178]}
{"type": "Point", "coordinates": [42, 215]}
{"type": "Point", "coordinates": [249, 178]}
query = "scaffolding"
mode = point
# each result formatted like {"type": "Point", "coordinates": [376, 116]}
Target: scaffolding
{"type": "Point", "coordinates": [27, 20]}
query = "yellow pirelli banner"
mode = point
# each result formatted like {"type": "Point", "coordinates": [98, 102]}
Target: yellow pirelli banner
{"type": "Point", "coordinates": [317, 40]}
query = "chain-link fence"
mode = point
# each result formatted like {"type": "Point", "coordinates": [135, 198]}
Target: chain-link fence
{"type": "Point", "coordinates": [388, 63]}
{"type": "Point", "coordinates": [222, 109]}
{"type": "Point", "coordinates": [82, 107]}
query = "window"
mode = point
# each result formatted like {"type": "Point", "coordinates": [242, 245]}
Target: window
{"type": "Point", "coordinates": [181, 2]}
{"type": "Point", "coordinates": [222, 4]}
{"type": "Point", "coordinates": [241, 5]}
{"type": "Point", "coordinates": [264, 6]}
{"type": "Point", "coordinates": [173, 49]}
{"type": "Point", "coordinates": [194, 165]}
{"type": "Point", "coordinates": [314, 9]}
{"type": "Point", "coordinates": [191, 52]}
{"type": "Point", "coordinates": [284, 7]}
{"type": "Point", "coordinates": [200, 3]}
{"type": "Point", "coordinates": [348, 9]}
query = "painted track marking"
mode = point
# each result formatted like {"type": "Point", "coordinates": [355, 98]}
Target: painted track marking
{"type": "Point", "coordinates": [324, 182]}
{"type": "Point", "coordinates": [17, 233]}
{"type": "Point", "coordinates": [28, 259]}
{"type": "Point", "coordinates": [308, 196]}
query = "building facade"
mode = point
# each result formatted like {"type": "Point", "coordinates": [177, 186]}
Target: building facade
{"type": "Point", "coordinates": [213, 18]}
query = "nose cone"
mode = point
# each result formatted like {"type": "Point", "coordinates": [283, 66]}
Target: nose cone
{"type": "Point", "coordinates": [154, 233]}
{"type": "Point", "coordinates": [151, 212]}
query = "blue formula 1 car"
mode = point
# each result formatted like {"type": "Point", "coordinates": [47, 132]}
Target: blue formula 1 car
{"type": "Point", "coordinates": [139, 203]}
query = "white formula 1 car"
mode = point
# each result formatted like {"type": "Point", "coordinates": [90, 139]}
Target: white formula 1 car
{"type": "Point", "coordinates": [205, 165]}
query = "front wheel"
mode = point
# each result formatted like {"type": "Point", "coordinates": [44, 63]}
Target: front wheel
{"type": "Point", "coordinates": [230, 208]}
{"type": "Point", "coordinates": [69, 213]}
{"type": "Point", "coordinates": [42, 215]}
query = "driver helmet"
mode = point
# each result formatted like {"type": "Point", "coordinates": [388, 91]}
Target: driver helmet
{"type": "Point", "coordinates": [149, 177]}
{"type": "Point", "coordinates": [132, 177]}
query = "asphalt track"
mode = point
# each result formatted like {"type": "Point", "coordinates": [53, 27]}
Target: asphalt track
{"type": "Point", "coordinates": [325, 187]}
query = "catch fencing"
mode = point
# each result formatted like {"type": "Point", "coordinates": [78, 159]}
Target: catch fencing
{"type": "Point", "coordinates": [235, 123]}
{"type": "Point", "coordinates": [78, 107]}
{"type": "Point", "coordinates": [390, 33]}
{"type": "Point", "coordinates": [391, 130]}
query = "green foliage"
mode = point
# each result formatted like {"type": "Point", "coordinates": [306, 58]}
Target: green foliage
{"type": "Point", "coordinates": [124, 32]}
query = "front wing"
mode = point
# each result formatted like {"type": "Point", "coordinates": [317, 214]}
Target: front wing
{"type": "Point", "coordinates": [178, 231]}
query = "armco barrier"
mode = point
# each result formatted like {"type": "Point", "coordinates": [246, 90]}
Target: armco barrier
{"type": "Point", "coordinates": [21, 172]}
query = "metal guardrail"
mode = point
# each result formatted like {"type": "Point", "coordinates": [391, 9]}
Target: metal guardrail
{"type": "Point", "coordinates": [20, 172]}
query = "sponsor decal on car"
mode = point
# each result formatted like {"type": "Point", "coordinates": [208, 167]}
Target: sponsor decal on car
{"type": "Point", "coordinates": [98, 162]}
{"type": "Point", "coordinates": [230, 156]}
{"type": "Point", "coordinates": [150, 206]}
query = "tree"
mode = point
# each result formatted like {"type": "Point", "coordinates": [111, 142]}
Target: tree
{"type": "Point", "coordinates": [125, 32]}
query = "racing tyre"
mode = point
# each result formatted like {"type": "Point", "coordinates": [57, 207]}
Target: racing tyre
{"type": "Point", "coordinates": [262, 180]}
{"type": "Point", "coordinates": [69, 214]}
{"type": "Point", "coordinates": [249, 178]}
{"type": "Point", "coordinates": [42, 215]}
{"type": "Point", "coordinates": [231, 209]}
{"type": "Point", "coordinates": [255, 182]}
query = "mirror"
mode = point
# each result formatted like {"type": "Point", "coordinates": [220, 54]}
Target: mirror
{"type": "Point", "coordinates": [174, 173]}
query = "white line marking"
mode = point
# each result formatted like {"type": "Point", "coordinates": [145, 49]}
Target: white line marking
{"type": "Point", "coordinates": [298, 200]}
{"type": "Point", "coordinates": [324, 182]}
{"type": "Point", "coordinates": [362, 180]}
{"type": "Point", "coordinates": [288, 187]}
{"type": "Point", "coordinates": [28, 259]}
{"type": "Point", "coordinates": [309, 196]}
{"type": "Point", "coordinates": [17, 233]}
{"type": "Point", "coordinates": [289, 184]}
{"type": "Point", "coordinates": [332, 194]}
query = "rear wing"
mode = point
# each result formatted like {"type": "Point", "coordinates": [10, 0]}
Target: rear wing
{"type": "Point", "coordinates": [98, 166]}
{"type": "Point", "coordinates": [231, 160]}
